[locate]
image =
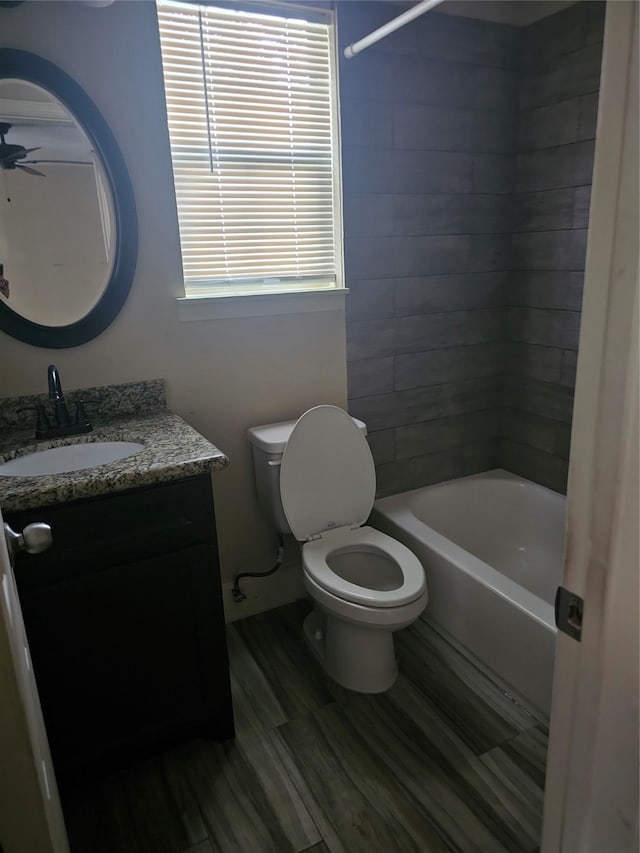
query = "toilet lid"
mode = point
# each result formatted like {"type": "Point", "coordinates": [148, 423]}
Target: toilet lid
{"type": "Point", "coordinates": [327, 476]}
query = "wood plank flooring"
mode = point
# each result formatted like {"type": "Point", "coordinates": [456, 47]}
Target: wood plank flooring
{"type": "Point", "coordinates": [444, 761]}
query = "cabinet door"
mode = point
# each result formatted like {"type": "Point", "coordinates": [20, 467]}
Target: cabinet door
{"type": "Point", "coordinates": [126, 659]}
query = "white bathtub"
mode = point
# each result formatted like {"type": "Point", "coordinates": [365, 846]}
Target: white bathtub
{"type": "Point", "coordinates": [492, 547]}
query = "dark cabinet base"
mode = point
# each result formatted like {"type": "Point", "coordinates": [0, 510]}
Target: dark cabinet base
{"type": "Point", "coordinates": [125, 626]}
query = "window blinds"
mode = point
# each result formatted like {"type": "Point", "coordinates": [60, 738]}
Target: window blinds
{"type": "Point", "coordinates": [252, 127]}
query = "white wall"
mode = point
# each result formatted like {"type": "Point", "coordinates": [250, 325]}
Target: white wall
{"type": "Point", "coordinates": [222, 375]}
{"type": "Point", "coordinates": [54, 251]}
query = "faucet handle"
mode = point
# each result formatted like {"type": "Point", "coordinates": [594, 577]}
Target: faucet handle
{"type": "Point", "coordinates": [81, 415]}
{"type": "Point", "coordinates": [81, 402]}
{"type": "Point", "coordinates": [42, 421]}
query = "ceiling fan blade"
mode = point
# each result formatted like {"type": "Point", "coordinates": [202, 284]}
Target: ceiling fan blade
{"type": "Point", "coordinates": [30, 170]}
{"type": "Point", "coordinates": [29, 150]}
{"type": "Point", "coordinates": [67, 162]}
{"type": "Point", "coordinates": [12, 158]}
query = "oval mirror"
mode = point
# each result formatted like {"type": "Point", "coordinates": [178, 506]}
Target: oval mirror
{"type": "Point", "coordinates": [68, 228]}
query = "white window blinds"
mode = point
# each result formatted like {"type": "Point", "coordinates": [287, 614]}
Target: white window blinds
{"type": "Point", "coordinates": [252, 123]}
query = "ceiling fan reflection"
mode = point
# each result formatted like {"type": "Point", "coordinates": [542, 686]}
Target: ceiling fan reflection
{"type": "Point", "coordinates": [14, 156]}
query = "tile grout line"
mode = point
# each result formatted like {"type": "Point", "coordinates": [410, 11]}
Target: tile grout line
{"type": "Point", "coordinates": [301, 793]}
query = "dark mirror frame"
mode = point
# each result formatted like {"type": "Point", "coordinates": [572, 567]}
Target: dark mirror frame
{"type": "Point", "coordinates": [27, 66]}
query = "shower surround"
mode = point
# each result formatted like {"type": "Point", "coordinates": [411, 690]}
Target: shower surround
{"type": "Point", "coordinates": [465, 205]}
{"type": "Point", "coordinates": [561, 58]}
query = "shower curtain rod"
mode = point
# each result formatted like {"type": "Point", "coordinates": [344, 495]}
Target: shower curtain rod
{"type": "Point", "coordinates": [386, 29]}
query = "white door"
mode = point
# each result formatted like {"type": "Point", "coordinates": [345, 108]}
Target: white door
{"type": "Point", "coordinates": [591, 798]}
{"type": "Point", "coordinates": [30, 813]}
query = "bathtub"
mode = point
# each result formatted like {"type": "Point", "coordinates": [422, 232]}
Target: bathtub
{"type": "Point", "coordinates": [492, 548]}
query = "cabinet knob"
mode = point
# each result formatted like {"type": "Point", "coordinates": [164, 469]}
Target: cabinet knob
{"type": "Point", "coordinates": [34, 539]}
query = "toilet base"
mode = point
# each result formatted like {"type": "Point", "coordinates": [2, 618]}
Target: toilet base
{"type": "Point", "coordinates": [357, 657]}
{"type": "Point", "coordinates": [314, 627]}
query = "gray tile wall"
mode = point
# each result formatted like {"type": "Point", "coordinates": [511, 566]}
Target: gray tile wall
{"type": "Point", "coordinates": [429, 120]}
{"type": "Point", "coordinates": [555, 140]}
{"type": "Point", "coordinates": [467, 158]}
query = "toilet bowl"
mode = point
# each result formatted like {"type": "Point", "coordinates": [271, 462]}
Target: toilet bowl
{"type": "Point", "coordinates": [351, 629]}
{"type": "Point", "coordinates": [364, 584]}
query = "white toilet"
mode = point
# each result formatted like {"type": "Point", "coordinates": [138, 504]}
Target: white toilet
{"type": "Point", "coordinates": [316, 479]}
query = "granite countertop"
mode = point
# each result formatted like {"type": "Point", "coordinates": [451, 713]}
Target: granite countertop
{"type": "Point", "coordinates": [172, 450]}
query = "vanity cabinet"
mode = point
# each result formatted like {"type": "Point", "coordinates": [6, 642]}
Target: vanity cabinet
{"type": "Point", "coordinates": [125, 625]}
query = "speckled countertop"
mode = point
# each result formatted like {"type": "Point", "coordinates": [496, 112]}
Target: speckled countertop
{"type": "Point", "coordinates": [172, 450]}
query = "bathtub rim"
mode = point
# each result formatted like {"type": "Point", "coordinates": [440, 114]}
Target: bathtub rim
{"type": "Point", "coordinates": [517, 595]}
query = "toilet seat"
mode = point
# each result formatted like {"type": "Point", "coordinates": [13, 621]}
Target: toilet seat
{"type": "Point", "coordinates": [316, 556]}
{"type": "Point", "coordinates": [327, 475]}
{"type": "Point", "coordinates": [327, 486]}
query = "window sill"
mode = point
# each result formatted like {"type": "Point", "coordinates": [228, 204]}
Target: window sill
{"type": "Point", "coordinates": [261, 304]}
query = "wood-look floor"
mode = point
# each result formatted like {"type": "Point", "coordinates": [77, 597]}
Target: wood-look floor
{"type": "Point", "coordinates": [442, 762]}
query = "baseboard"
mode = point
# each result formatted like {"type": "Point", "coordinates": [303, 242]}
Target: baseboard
{"type": "Point", "coordinates": [283, 587]}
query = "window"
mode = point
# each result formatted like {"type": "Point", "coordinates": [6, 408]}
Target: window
{"type": "Point", "coordinates": [251, 105]}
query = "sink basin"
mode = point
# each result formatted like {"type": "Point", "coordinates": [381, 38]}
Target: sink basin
{"type": "Point", "coordinates": [70, 457]}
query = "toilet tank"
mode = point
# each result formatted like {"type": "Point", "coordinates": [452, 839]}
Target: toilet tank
{"type": "Point", "coordinates": [267, 444]}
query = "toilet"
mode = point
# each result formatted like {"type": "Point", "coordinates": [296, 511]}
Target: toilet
{"type": "Point", "coordinates": [315, 478]}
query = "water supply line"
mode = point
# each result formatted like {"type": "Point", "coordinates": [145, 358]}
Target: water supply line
{"type": "Point", "coordinates": [392, 26]}
{"type": "Point", "coordinates": [238, 595]}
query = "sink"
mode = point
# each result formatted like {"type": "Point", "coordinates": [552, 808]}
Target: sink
{"type": "Point", "coordinates": [69, 457]}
